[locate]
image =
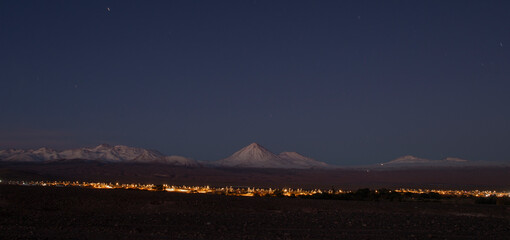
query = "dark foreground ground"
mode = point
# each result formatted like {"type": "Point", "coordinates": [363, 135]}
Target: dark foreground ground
{"type": "Point", "coordinates": [29, 212]}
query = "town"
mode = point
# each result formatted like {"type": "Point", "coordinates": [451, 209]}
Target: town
{"type": "Point", "coordinates": [285, 192]}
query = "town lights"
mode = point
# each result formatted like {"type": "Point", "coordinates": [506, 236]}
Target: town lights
{"type": "Point", "coordinates": [248, 191]}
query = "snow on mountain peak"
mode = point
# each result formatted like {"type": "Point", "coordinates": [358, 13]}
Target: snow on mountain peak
{"type": "Point", "coordinates": [103, 152]}
{"type": "Point", "coordinates": [252, 155]}
{"type": "Point", "coordinates": [256, 156]}
{"type": "Point", "coordinates": [254, 144]}
{"type": "Point", "coordinates": [254, 147]}
{"type": "Point", "coordinates": [103, 146]}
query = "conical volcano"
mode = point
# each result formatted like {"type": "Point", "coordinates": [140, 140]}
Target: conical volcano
{"type": "Point", "coordinates": [256, 156]}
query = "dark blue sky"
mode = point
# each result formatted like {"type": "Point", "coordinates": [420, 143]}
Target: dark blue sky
{"type": "Point", "coordinates": [345, 82]}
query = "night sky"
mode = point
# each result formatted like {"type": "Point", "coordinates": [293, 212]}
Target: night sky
{"type": "Point", "coordinates": [345, 82]}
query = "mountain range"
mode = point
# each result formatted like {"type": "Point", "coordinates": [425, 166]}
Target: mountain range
{"type": "Point", "coordinates": [103, 152]}
{"type": "Point", "coordinates": [410, 161]}
{"type": "Point", "coordinates": [251, 156]}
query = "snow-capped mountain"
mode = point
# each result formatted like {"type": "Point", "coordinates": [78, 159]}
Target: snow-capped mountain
{"type": "Point", "coordinates": [412, 161]}
{"type": "Point", "coordinates": [31, 155]}
{"type": "Point", "coordinates": [103, 152]}
{"type": "Point", "coordinates": [408, 159]}
{"type": "Point", "coordinates": [256, 156]}
{"type": "Point", "coordinates": [253, 155]}
{"type": "Point", "coordinates": [117, 153]}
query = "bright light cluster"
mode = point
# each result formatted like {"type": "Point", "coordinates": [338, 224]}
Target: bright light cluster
{"type": "Point", "coordinates": [460, 193]}
{"type": "Point", "coordinates": [244, 191]}
{"type": "Point", "coordinates": [237, 191]}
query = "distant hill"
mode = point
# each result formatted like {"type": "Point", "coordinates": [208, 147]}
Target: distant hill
{"type": "Point", "coordinates": [412, 161]}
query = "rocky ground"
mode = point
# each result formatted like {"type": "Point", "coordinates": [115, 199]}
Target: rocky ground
{"type": "Point", "coordinates": [28, 212]}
